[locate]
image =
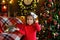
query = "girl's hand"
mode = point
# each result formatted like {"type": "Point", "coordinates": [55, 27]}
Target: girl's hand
{"type": "Point", "coordinates": [36, 21]}
{"type": "Point", "coordinates": [37, 26]}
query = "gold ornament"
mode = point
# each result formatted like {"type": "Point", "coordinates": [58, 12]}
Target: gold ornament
{"type": "Point", "coordinates": [27, 2]}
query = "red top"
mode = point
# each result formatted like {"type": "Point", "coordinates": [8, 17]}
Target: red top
{"type": "Point", "coordinates": [29, 31]}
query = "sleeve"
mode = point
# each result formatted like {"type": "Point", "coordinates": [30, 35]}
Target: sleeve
{"type": "Point", "coordinates": [21, 29]}
{"type": "Point", "coordinates": [37, 26]}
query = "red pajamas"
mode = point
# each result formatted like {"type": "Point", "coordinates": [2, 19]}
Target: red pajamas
{"type": "Point", "coordinates": [29, 31]}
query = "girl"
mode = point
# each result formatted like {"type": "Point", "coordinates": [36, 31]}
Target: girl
{"type": "Point", "coordinates": [29, 29]}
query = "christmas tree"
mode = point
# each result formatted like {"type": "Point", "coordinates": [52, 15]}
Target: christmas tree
{"type": "Point", "coordinates": [49, 18]}
{"type": "Point", "coordinates": [48, 12]}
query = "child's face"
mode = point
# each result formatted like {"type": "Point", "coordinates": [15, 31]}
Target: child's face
{"type": "Point", "coordinates": [30, 20]}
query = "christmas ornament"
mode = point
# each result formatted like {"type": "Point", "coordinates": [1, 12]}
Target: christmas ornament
{"type": "Point", "coordinates": [44, 15]}
{"type": "Point", "coordinates": [27, 2]}
{"type": "Point", "coordinates": [49, 0]}
{"type": "Point", "coordinates": [4, 8]}
{"type": "Point", "coordinates": [49, 5]}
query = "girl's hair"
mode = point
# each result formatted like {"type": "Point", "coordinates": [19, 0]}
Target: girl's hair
{"type": "Point", "coordinates": [29, 14]}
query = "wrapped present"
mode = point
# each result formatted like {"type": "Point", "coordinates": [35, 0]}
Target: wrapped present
{"type": "Point", "coordinates": [9, 36]}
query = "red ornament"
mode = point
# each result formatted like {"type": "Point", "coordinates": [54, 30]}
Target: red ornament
{"type": "Point", "coordinates": [49, 0]}
{"type": "Point", "coordinates": [49, 5]}
{"type": "Point", "coordinates": [55, 22]}
{"type": "Point", "coordinates": [4, 8]}
{"type": "Point", "coordinates": [44, 15]}
{"type": "Point", "coordinates": [49, 19]}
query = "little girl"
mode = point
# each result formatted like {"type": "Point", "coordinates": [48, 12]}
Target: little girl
{"type": "Point", "coordinates": [29, 29]}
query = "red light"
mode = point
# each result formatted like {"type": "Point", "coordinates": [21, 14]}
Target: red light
{"type": "Point", "coordinates": [4, 8]}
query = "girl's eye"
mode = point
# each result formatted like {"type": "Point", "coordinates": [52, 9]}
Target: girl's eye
{"type": "Point", "coordinates": [29, 19]}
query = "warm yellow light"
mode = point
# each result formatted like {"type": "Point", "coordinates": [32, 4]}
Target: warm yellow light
{"type": "Point", "coordinates": [4, 7]}
{"type": "Point", "coordinates": [11, 1]}
{"type": "Point", "coordinates": [18, 1]}
{"type": "Point", "coordinates": [3, 1]}
{"type": "Point", "coordinates": [38, 1]}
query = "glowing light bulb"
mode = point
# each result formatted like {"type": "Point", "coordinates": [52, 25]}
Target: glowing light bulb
{"type": "Point", "coordinates": [3, 1]}
{"type": "Point", "coordinates": [4, 7]}
{"type": "Point", "coordinates": [11, 1]}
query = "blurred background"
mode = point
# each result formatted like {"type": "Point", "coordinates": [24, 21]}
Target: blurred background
{"type": "Point", "coordinates": [48, 12]}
